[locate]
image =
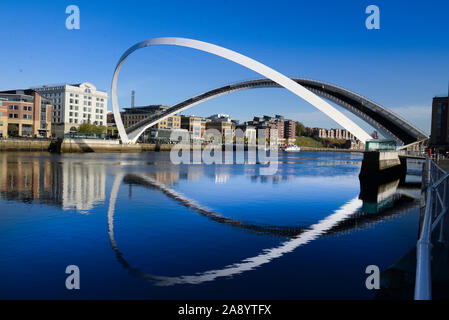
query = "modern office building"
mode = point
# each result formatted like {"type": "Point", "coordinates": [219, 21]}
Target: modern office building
{"type": "Point", "coordinates": [28, 114]}
{"type": "Point", "coordinates": [74, 104]}
{"type": "Point", "coordinates": [439, 137]}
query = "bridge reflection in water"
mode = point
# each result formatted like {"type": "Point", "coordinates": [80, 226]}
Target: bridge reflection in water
{"type": "Point", "coordinates": [372, 206]}
{"type": "Point", "coordinates": [79, 184]}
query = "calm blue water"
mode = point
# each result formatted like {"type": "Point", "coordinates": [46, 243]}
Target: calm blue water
{"type": "Point", "coordinates": [139, 227]}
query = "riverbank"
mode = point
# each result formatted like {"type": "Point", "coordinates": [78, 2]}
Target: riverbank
{"type": "Point", "coordinates": [103, 146]}
{"type": "Point", "coordinates": [332, 150]}
{"type": "Point", "coordinates": [25, 145]}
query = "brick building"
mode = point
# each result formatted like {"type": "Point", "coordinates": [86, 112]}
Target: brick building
{"type": "Point", "coordinates": [28, 114]}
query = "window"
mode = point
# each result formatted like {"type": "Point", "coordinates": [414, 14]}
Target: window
{"type": "Point", "coordinates": [13, 115]}
{"type": "Point", "coordinates": [12, 107]}
{"type": "Point", "coordinates": [27, 116]}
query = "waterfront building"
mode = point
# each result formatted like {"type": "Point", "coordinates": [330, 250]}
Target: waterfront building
{"type": "Point", "coordinates": [220, 117]}
{"type": "Point", "coordinates": [168, 135]}
{"type": "Point", "coordinates": [194, 125]}
{"type": "Point", "coordinates": [277, 128]}
{"type": "Point", "coordinates": [249, 132]}
{"type": "Point", "coordinates": [28, 114]}
{"type": "Point", "coordinates": [224, 127]}
{"type": "Point", "coordinates": [74, 104]}
{"type": "Point", "coordinates": [439, 137]}
{"type": "Point", "coordinates": [332, 134]}
{"type": "Point", "coordinates": [111, 127]}
{"type": "Point", "coordinates": [3, 120]}
{"type": "Point", "coordinates": [289, 130]}
{"type": "Point", "coordinates": [133, 115]}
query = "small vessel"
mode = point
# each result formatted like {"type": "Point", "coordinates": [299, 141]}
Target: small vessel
{"type": "Point", "coordinates": [291, 148]}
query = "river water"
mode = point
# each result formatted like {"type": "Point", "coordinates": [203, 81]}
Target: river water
{"type": "Point", "coordinates": [139, 227]}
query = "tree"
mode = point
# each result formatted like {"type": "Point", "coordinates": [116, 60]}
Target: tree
{"type": "Point", "coordinates": [91, 128]}
{"type": "Point", "coordinates": [300, 129]}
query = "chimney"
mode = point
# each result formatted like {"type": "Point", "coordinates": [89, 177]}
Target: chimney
{"type": "Point", "coordinates": [132, 98]}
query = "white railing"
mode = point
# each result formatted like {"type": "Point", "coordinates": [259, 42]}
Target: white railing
{"type": "Point", "coordinates": [436, 182]}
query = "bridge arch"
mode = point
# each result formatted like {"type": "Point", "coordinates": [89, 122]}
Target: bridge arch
{"type": "Point", "coordinates": [242, 60]}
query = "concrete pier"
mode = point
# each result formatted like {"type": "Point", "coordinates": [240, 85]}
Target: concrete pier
{"type": "Point", "coordinates": [379, 164]}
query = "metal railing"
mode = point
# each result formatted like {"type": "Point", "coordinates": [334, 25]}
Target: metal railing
{"type": "Point", "coordinates": [436, 183]}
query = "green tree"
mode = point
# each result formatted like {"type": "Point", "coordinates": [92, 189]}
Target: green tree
{"type": "Point", "coordinates": [300, 129]}
{"type": "Point", "coordinates": [91, 128]}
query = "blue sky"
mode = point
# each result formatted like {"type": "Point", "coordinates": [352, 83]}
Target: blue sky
{"type": "Point", "coordinates": [402, 66]}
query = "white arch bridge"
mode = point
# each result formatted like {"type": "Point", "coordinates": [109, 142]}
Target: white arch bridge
{"type": "Point", "coordinates": [312, 91]}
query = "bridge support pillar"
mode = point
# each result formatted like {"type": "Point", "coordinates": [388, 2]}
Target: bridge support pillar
{"type": "Point", "coordinates": [379, 164]}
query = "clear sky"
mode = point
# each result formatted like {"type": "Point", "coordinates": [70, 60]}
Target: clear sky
{"type": "Point", "coordinates": [402, 66]}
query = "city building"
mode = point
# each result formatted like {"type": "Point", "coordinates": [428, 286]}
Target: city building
{"type": "Point", "coordinates": [74, 104]}
{"type": "Point", "coordinates": [168, 135]}
{"type": "Point", "coordinates": [3, 120]}
{"type": "Point", "coordinates": [28, 114]}
{"type": "Point", "coordinates": [341, 134]}
{"type": "Point", "coordinates": [111, 127]}
{"type": "Point", "coordinates": [220, 117]}
{"type": "Point", "coordinates": [275, 128]}
{"type": "Point", "coordinates": [133, 115]}
{"type": "Point", "coordinates": [439, 137]}
{"type": "Point", "coordinates": [249, 133]}
{"type": "Point", "coordinates": [289, 130]}
{"type": "Point", "coordinates": [194, 125]}
{"type": "Point", "coordinates": [224, 127]}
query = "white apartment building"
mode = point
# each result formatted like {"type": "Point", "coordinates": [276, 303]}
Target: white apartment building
{"type": "Point", "coordinates": [74, 104]}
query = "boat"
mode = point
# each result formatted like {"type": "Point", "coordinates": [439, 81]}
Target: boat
{"type": "Point", "coordinates": [291, 148]}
